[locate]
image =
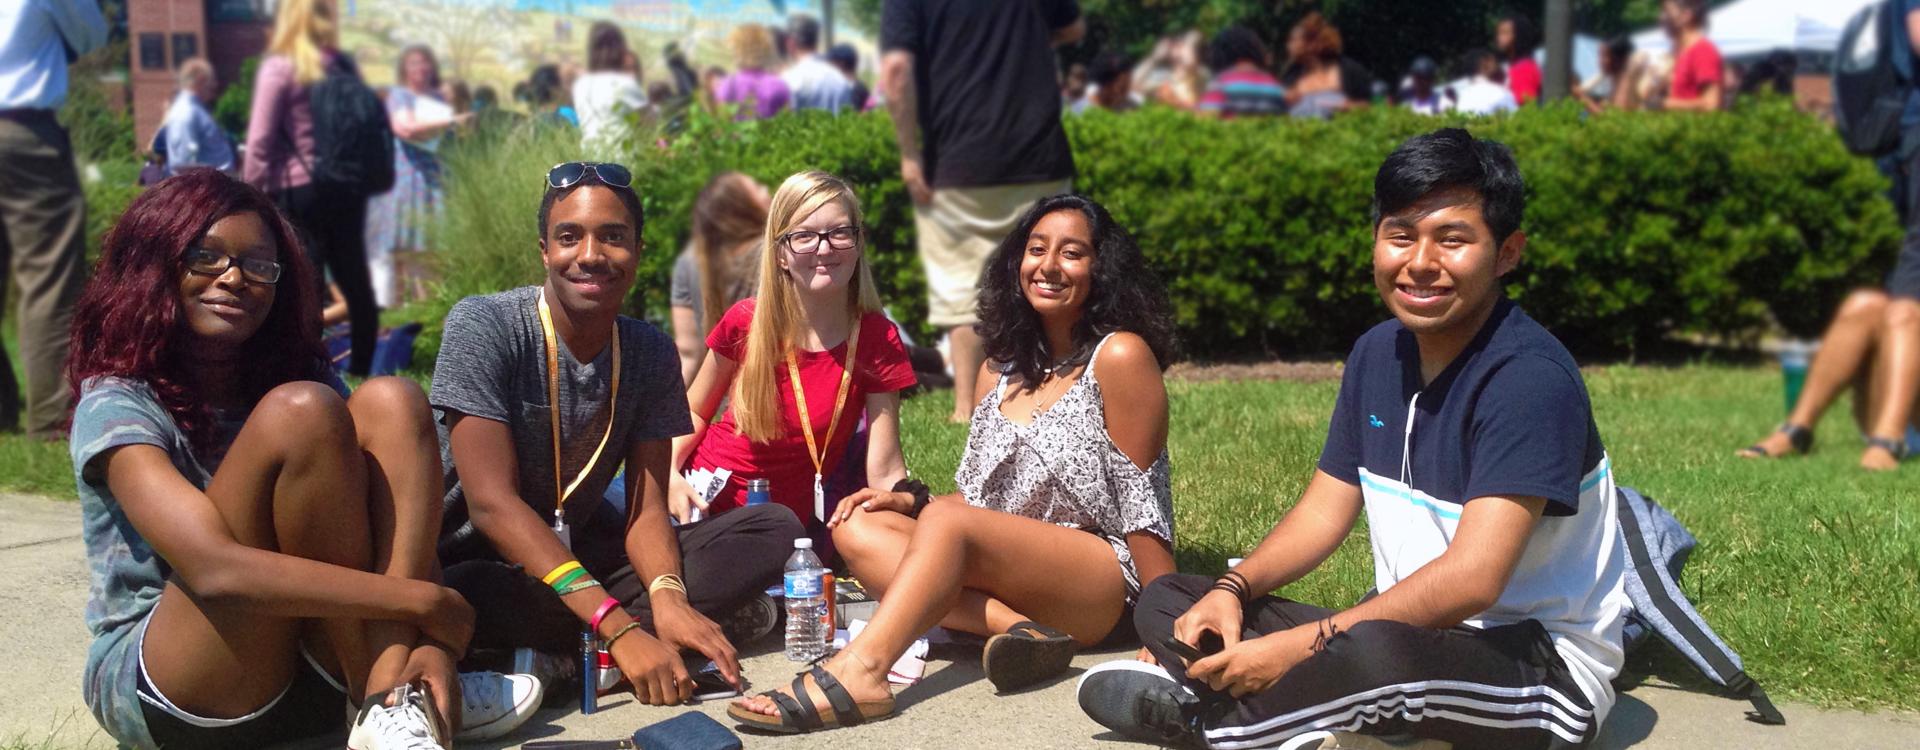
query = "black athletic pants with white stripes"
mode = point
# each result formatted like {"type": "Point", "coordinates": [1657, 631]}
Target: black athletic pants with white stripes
{"type": "Point", "coordinates": [1502, 687]}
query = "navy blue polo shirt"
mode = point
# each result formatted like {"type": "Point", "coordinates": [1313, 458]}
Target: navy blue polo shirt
{"type": "Point", "coordinates": [1508, 417]}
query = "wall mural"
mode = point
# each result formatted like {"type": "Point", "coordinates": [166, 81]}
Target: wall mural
{"type": "Point", "coordinates": [498, 42]}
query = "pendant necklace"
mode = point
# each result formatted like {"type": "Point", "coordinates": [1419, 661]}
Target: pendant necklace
{"type": "Point", "coordinates": [1046, 374]}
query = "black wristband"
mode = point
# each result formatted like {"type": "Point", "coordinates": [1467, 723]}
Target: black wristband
{"type": "Point", "coordinates": [921, 494]}
{"type": "Point", "coordinates": [1238, 584]}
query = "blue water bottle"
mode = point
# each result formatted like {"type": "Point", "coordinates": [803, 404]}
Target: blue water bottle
{"type": "Point", "coordinates": [760, 492]}
{"type": "Point", "coordinates": [589, 660]}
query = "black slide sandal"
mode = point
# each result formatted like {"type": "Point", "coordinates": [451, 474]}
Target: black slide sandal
{"type": "Point", "coordinates": [1799, 438]}
{"type": "Point", "coordinates": [1027, 654]}
{"type": "Point", "coordinates": [798, 716]}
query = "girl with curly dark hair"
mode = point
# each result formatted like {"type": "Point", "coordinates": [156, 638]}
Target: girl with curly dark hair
{"type": "Point", "coordinates": [1064, 507]}
{"type": "Point", "coordinates": [252, 530]}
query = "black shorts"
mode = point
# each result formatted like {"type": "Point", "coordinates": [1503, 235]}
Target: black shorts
{"type": "Point", "coordinates": [310, 707]}
{"type": "Point", "coordinates": [1905, 279]}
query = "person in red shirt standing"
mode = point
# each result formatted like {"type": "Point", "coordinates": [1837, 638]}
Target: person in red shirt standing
{"type": "Point", "coordinates": [1516, 40]}
{"type": "Point", "coordinates": [1698, 76]}
{"type": "Point", "coordinates": [798, 363]}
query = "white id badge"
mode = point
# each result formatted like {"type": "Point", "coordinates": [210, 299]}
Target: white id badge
{"type": "Point", "coordinates": [819, 499]}
{"type": "Point", "coordinates": [566, 535]}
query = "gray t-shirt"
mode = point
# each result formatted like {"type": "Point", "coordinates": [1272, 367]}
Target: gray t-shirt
{"type": "Point", "coordinates": [493, 365]}
{"type": "Point", "coordinates": [126, 574]}
{"type": "Point", "coordinates": [684, 291]}
{"type": "Point", "coordinates": [685, 287]}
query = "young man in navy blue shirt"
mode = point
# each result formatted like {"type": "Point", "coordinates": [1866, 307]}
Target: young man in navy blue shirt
{"type": "Point", "coordinates": [1464, 432]}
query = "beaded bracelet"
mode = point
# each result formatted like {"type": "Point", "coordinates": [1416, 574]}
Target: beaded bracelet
{"type": "Point", "coordinates": [630, 627]}
{"type": "Point", "coordinates": [578, 586]}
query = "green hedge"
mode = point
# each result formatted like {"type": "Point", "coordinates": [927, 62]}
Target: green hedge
{"type": "Point", "coordinates": [1641, 224]}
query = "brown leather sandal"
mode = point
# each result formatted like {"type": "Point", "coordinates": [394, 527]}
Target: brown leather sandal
{"type": "Point", "coordinates": [798, 715]}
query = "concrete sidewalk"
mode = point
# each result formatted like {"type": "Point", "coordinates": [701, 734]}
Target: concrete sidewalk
{"type": "Point", "coordinates": [44, 587]}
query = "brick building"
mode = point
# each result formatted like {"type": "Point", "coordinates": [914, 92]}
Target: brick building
{"type": "Point", "coordinates": [164, 33]}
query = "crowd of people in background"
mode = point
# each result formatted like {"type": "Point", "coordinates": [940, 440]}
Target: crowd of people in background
{"type": "Point", "coordinates": [1236, 73]}
{"type": "Point", "coordinates": [773, 70]}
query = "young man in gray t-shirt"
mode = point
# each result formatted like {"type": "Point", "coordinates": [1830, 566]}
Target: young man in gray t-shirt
{"type": "Point", "coordinates": [518, 527]}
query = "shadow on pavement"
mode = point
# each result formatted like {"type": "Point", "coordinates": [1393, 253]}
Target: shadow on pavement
{"type": "Point", "coordinates": [1630, 723]}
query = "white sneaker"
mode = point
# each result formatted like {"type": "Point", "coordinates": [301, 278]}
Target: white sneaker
{"type": "Point", "coordinates": [409, 724]}
{"type": "Point", "coordinates": [493, 704]}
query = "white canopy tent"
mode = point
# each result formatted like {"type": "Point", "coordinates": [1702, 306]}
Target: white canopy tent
{"type": "Point", "coordinates": [1756, 27]}
{"type": "Point", "coordinates": [1741, 29]}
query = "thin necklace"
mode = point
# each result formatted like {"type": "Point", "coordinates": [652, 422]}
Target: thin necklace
{"type": "Point", "coordinates": [1046, 375]}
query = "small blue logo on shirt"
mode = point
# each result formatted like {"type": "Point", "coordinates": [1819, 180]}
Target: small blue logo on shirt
{"type": "Point", "coordinates": [1375, 421]}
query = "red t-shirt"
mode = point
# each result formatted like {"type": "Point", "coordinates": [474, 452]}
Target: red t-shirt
{"type": "Point", "coordinates": [1523, 78]}
{"type": "Point", "coordinates": [1697, 68]}
{"type": "Point", "coordinates": [882, 367]}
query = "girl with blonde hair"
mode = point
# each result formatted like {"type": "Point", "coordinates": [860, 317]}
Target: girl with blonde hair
{"type": "Point", "coordinates": [798, 362]}
{"type": "Point", "coordinates": [280, 157]}
{"type": "Point", "coordinates": [753, 84]}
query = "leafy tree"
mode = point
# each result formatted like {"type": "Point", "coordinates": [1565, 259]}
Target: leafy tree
{"type": "Point", "coordinates": [235, 104]}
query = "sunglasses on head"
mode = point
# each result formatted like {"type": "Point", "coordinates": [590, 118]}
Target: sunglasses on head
{"type": "Point", "coordinates": [566, 175]}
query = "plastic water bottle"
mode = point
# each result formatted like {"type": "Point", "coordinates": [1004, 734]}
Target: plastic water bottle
{"type": "Point", "coordinates": [806, 597]}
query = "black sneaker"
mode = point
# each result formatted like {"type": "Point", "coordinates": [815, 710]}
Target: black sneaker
{"type": "Point", "coordinates": [751, 621]}
{"type": "Point", "coordinates": [1142, 702]}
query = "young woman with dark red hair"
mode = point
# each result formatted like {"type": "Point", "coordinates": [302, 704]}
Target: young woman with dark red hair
{"type": "Point", "coordinates": [252, 530]}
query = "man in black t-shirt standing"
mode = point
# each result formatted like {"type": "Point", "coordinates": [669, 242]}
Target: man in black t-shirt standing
{"type": "Point", "coordinates": [972, 88]}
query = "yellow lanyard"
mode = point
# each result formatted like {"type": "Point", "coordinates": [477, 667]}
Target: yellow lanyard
{"type": "Point", "coordinates": [817, 451]}
{"type": "Point", "coordinates": [553, 414]}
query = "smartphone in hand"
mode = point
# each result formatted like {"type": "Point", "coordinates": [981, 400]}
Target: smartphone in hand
{"type": "Point", "coordinates": [1210, 644]}
{"type": "Point", "coordinates": [709, 684]}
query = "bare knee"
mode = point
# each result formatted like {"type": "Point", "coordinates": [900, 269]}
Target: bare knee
{"type": "Point", "coordinates": [391, 403]}
{"type": "Point", "coordinates": [308, 412]}
{"type": "Point", "coordinates": [1863, 305]}
{"type": "Point", "coordinates": [859, 538]}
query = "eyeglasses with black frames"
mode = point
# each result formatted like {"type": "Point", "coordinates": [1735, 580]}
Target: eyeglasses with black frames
{"type": "Point", "coordinates": [207, 262]}
{"type": "Point", "coordinates": [806, 243]}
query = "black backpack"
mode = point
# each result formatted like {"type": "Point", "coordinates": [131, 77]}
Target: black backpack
{"type": "Point", "coordinates": [352, 140]}
{"type": "Point", "coordinates": [1871, 80]}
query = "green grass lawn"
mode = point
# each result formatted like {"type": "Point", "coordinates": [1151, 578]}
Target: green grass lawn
{"type": "Point", "coordinates": [1809, 567]}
